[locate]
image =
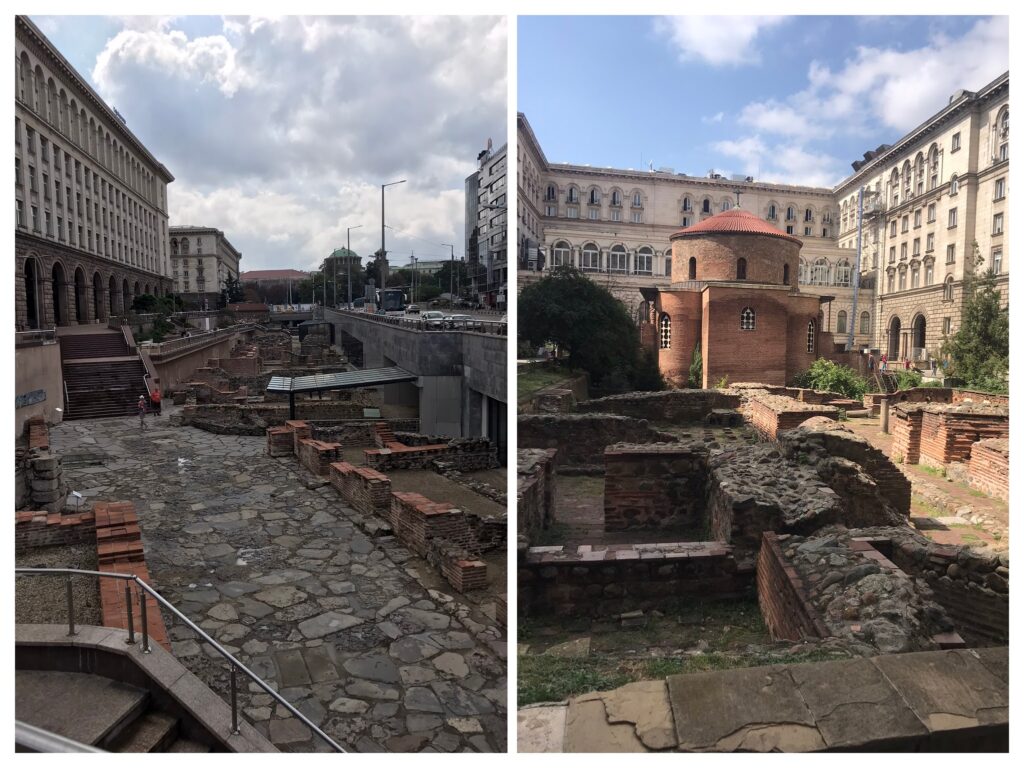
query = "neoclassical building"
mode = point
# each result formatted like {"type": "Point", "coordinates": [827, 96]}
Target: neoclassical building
{"type": "Point", "coordinates": [616, 224]}
{"type": "Point", "coordinates": [90, 199]}
{"type": "Point", "coordinates": [202, 259]}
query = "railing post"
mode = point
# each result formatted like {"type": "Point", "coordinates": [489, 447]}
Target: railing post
{"type": "Point", "coordinates": [234, 701]}
{"type": "Point", "coordinates": [143, 618]}
{"type": "Point", "coordinates": [131, 613]}
{"type": "Point", "coordinates": [71, 605]}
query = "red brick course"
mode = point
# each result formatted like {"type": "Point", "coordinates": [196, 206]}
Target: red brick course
{"type": "Point", "coordinates": [38, 434]}
{"type": "Point", "coordinates": [300, 431]}
{"type": "Point", "coordinates": [990, 467]}
{"type": "Point", "coordinates": [45, 529]}
{"type": "Point", "coordinates": [400, 456]}
{"type": "Point", "coordinates": [783, 597]}
{"type": "Point", "coordinates": [317, 456]}
{"type": "Point", "coordinates": [280, 441]}
{"type": "Point", "coordinates": [772, 414]}
{"type": "Point", "coordinates": [362, 488]}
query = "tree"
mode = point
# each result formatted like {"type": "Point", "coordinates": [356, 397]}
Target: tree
{"type": "Point", "coordinates": [696, 378]}
{"type": "Point", "coordinates": [979, 352]}
{"type": "Point", "coordinates": [826, 376]}
{"type": "Point", "coordinates": [232, 292]}
{"type": "Point", "coordinates": [585, 320]}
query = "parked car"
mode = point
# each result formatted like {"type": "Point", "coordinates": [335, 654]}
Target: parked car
{"type": "Point", "coordinates": [412, 309]}
{"type": "Point", "coordinates": [432, 319]}
{"type": "Point", "coordinates": [462, 322]}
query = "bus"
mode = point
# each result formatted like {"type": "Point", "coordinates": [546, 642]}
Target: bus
{"type": "Point", "coordinates": [391, 300]}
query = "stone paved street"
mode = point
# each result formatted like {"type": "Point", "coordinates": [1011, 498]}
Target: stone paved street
{"type": "Point", "coordinates": [265, 558]}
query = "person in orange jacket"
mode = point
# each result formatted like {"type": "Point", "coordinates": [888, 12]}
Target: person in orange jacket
{"type": "Point", "coordinates": [155, 398]}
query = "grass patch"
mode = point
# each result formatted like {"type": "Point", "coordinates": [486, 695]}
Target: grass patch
{"type": "Point", "coordinates": [532, 378]}
{"type": "Point", "coordinates": [934, 471]}
{"type": "Point", "coordinates": [926, 509]}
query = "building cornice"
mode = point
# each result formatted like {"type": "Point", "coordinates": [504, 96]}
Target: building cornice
{"type": "Point", "coordinates": [32, 34]}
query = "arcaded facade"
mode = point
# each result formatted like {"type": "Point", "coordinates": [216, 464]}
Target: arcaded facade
{"type": "Point", "coordinates": [202, 259]}
{"type": "Point", "coordinates": [928, 199]}
{"type": "Point", "coordinates": [735, 294]}
{"type": "Point", "coordinates": [90, 199]}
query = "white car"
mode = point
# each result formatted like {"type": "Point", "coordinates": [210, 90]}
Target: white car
{"type": "Point", "coordinates": [467, 322]}
{"type": "Point", "coordinates": [432, 319]}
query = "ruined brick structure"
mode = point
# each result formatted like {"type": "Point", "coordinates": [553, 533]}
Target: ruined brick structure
{"type": "Point", "coordinates": [535, 490]}
{"type": "Point", "coordinates": [990, 467]}
{"type": "Point", "coordinates": [581, 438]}
{"type": "Point", "coordinates": [937, 434]}
{"type": "Point", "coordinates": [653, 486]}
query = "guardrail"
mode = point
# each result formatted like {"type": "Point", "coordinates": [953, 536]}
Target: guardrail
{"type": "Point", "coordinates": [41, 336]}
{"type": "Point", "coordinates": [474, 324]}
{"type": "Point", "coordinates": [142, 587]}
{"type": "Point", "coordinates": [33, 739]}
{"type": "Point", "coordinates": [198, 339]}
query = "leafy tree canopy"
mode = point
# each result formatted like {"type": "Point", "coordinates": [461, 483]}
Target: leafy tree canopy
{"type": "Point", "coordinates": [827, 376]}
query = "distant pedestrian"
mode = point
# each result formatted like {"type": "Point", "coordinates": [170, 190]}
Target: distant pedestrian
{"type": "Point", "coordinates": [155, 398]}
{"type": "Point", "coordinates": [871, 363]}
{"type": "Point", "coordinates": [142, 412]}
{"type": "Point", "coordinates": [934, 366]}
{"type": "Point", "coordinates": [885, 359]}
{"type": "Point", "coordinates": [906, 364]}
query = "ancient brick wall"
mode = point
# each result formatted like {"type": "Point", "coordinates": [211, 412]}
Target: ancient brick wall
{"type": "Point", "coordinates": [685, 314]}
{"type": "Point", "coordinates": [362, 488]}
{"type": "Point", "coordinates": [610, 580]}
{"type": "Point", "coordinates": [465, 454]}
{"type": "Point", "coordinates": [653, 486]}
{"type": "Point", "coordinates": [772, 414]}
{"type": "Point", "coordinates": [948, 432]}
{"type": "Point", "coordinates": [716, 255]}
{"type": "Point", "coordinates": [990, 467]}
{"type": "Point", "coordinates": [48, 529]}
{"type": "Point", "coordinates": [300, 431]}
{"type": "Point", "coordinates": [760, 354]}
{"type": "Point", "coordinates": [317, 456]}
{"type": "Point", "coordinates": [237, 366]}
{"type": "Point", "coordinates": [581, 438]}
{"type": "Point", "coordinates": [280, 441]}
{"type": "Point", "coordinates": [397, 456]}
{"type": "Point", "coordinates": [535, 491]}
{"type": "Point", "coordinates": [961, 395]}
{"type": "Point", "coordinates": [905, 426]}
{"type": "Point", "coordinates": [676, 406]}
{"type": "Point", "coordinates": [358, 433]}
{"type": "Point", "coordinates": [785, 604]}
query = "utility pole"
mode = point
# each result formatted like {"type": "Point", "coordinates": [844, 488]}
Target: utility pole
{"type": "Point", "coordinates": [348, 259]}
{"type": "Point", "coordinates": [451, 276]}
{"type": "Point", "coordinates": [383, 253]}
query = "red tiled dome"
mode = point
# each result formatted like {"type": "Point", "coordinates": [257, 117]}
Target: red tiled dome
{"type": "Point", "coordinates": [734, 221]}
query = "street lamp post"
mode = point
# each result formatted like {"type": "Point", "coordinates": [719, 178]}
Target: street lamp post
{"type": "Point", "coordinates": [451, 276]}
{"type": "Point", "coordinates": [383, 254]}
{"type": "Point", "coordinates": [348, 259]}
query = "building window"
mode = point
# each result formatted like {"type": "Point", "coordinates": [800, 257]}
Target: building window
{"type": "Point", "coordinates": [997, 261]}
{"type": "Point", "coordinates": [929, 274]}
{"type": "Point", "coordinates": [890, 284]}
{"type": "Point", "coordinates": [686, 222]}
{"type": "Point", "coordinates": [997, 224]}
{"type": "Point", "coordinates": [618, 259]}
{"type": "Point", "coordinates": [892, 228]}
{"type": "Point", "coordinates": [841, 321]}
{"type": "Point", "coordinates": [773, 212]}
{"type": "Point", "coordinates": [637, 200]}
{"type": "Point", "coordinates": [550, 210]}
{"type": "Point", "coordinates": [789, 229]}
{"type": "Point", "coordinates": [595, 197]}
{"type": "Point", "coordinates": [946, 326]}
{"type": "Point", "coordinates": [572, 212]}
{"type": "Point", "coordinates": [954, 186]}
{"type": "Point", "coordinates": [947, 289]}
{"type": "Point", "coordinates": [865, 322]}
{"type": "Point", "coordinates": [19, 208]}
{"type": "Point", "coordinates": [903, 251]}
{"type": "Point", "coordinates": [616, 197]}
{"type": "Point", "coordinates": [49, 223]}
{"type": "Point", "coordinates": [638, 217]}
{"type": "Point", "coordinates": [687, 205]}
{"type": "Point", "coordinates": [892, 254]}
{"type": "Point", "coordinates": [616, 214]}
{"type": "Point", "coordinates": [808, 214]}
{"type": "Point", "coordinates": [785, 274]}
{"type": "Point", "coordinates": [560, 254]}
{"type": "Point", "coordinates": [807, 231]}
{"type": "Point", "coordinates": [810, 337]}
{"type": "Point", "coordinates": [952, 217]}
{"type": "Point", "coordinates": [790, 213]}
{"type": "Point", "coordinates": [747, 319]}
{"type": "Point", "coordinates": [594, 213]}
{"type": "Point", "coordinates": [644, 261]}
{"type": "Point", "coordinates": [844, 273]}
{"type": "Point", "coordinates": [931, 212]}
{"type": "Point", "coordinates": [573, 195]}
{"type": "Point", "coordinates": [917, 246]}
{"type": "Point", "coordinates": [741, 269]}
{"type": "Point", "coordinates": [692, 269]}
{"type": "Point", "coordinates": [951, 253]}
{"type": "Point", "coordinates": [35, 218]}
{"type": "Point", "coordinates": [819, 272]}
{"type": "Point", "coordinates": [917, 218]}
{"type": "Point", "coordinates": [929, 242]}
{"type": "Point", "coordinates": [1000, 189]}
{"type": "Point", "coordinates": [706, 205]}
{"type": "Point", "coordinates": [915, 277]}
{"type": "Point", "coordinates": [665, 332]}
{"type": "Point", "coordinates": [906, 224]}
{"type": "Point", "coordinates": [956, 142]}
{"type": "Point", "coordinates": [903, 279]}
{"type": "Point", "coordinates": [591, 260]}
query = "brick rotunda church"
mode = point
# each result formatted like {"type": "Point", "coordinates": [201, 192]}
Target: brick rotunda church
{"type": "Point", "coordinates": [735, 292]}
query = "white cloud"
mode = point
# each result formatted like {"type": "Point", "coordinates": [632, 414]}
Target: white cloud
{"type": "Point", "coordinates": [716, 40]}
{"type": "Point", "coordinates": [783, 163]}
{"type": "Point", "coordinates": [715, 118]}
{"type": "Point", "coordinates": [279, 131]}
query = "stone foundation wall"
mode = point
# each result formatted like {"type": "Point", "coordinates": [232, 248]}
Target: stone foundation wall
{"type": "Point", "coordinates": [535, 491]}
{"type": "Point", "coordinates": [465, 454]}
{"type": "Point", "coordinates": [947, 432]}
{"type": "Point", "coordinates": [580, 439]}
{"type": "Point", "coordinates": [675, 405]}
{"type": "Point", "coordinates": [243, 417]}
{"type": "Point", "coordinates": [608, 581]}
{"type": "Point", "coordinates": [772, 414]}
{"type": "Point", "coordinates": [785, 604]}
{"type": "Point", "coordinates": [362, 488]}
{"type": "Point", "coordinates": [990, 467]}
{"type": "Point", "coordinates": [358, 433]}
{"type": "Point", "coordinates": [49, 529]}
{"type": "Point", "coordinates": [398, 456]}
{"type": "Point", "coordinates": [237, 366]}
{"type": "Point", "coordinates": [654, 486]}
{"type": "Point", "coordinates": [317, 456]}
{"type": "Point", "coordinates": [963, 395]}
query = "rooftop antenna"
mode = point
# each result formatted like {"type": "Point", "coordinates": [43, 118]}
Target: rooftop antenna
{"type": "Point", "coordinates": [737, 198]}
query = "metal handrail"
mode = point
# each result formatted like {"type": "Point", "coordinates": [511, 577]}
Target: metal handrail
{"type": "Point", "coordinates": [430, 326]}
{"type": "Point", "coordinates": [145, 647]}
{"type": "Point", "coordinates": [36, 739]}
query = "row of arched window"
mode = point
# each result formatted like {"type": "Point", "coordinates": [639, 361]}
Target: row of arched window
{"type": "Point", "coordinates": [841, 322]}
{"type": "Point", "coordinates": [748, 321]}
{"type": "Point", "coordinates": [41, 94]}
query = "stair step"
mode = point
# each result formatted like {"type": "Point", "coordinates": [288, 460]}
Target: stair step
{"type": "Point", "coordinates": [187, 745]}
{"type": "Point", "coordinates": [54, 701]}
{"type": "Point", "coordinates": [152, 732]}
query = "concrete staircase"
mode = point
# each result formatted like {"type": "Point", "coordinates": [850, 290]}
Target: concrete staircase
{"type": "Point", "coordinates": [101, 375]}
{"type": "Point", "coordinates": [98, 711]}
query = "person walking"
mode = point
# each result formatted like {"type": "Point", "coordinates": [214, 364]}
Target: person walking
{"type": "Point", "coordinates": [154, 399]}
{"type": "Point", "coordinates": [885, 359]}
{"type": "Point", "coordinates": [871, 363]}
{"type": "Point", "coordinates": [142, 413]}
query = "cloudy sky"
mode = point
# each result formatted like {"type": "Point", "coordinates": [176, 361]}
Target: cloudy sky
{"type": "Point", "coordinates": [786, 99]}
{"type": "Point", "coordinates": [280, 131]}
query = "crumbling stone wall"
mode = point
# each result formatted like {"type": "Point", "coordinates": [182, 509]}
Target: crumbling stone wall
{"type": "Point", "coordinates": [654, 486]}
{"type": "Point", "coordinates": [971, 396]}
{"type": "Point", "coordinates": [42, 475]}
{"type": "Point", "coordinates": [676, 406]}
{"type": "Point", "coordinates": [535, 491]}
{"type": "Point", "coordinates": [466, 454]}
{"type": "Point", "coordinates": [990, 467]}
{"type": "Point", "coordinates": [358, 433]}
{"type": "Point", "coordinates": [580, 439]}
{"type": "Point", "coordinates": [618, 578]}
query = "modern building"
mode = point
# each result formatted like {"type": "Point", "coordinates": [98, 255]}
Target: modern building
{"type": "Point", "coordinates": [487, 225]}
{"type": "Point", "coordinates": [274, 286]}
{"type": "Point", "coordinates": [90, 199]}
{"type": "Point", "coordinates": [935, 200]}
{"type": "Point", "coordinates": [202, 260]}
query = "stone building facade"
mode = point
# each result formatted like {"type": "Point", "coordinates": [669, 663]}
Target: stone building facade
{"type": "Point", "coordinates": [202, 259]}
{"type": "Point", "coordinates": [929, 198]}
{"type": "Point", "coordinates": [90, 199]}
{"type": "Point", "coordinates": [936, 208]}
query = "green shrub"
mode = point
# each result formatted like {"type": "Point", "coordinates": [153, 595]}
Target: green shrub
{"type": "Point", "coordinates": [907, 379]}
{"type": "Point", "coordinates": [696, 377]}
{"type": "Point", "coordinates": [830, 377]}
